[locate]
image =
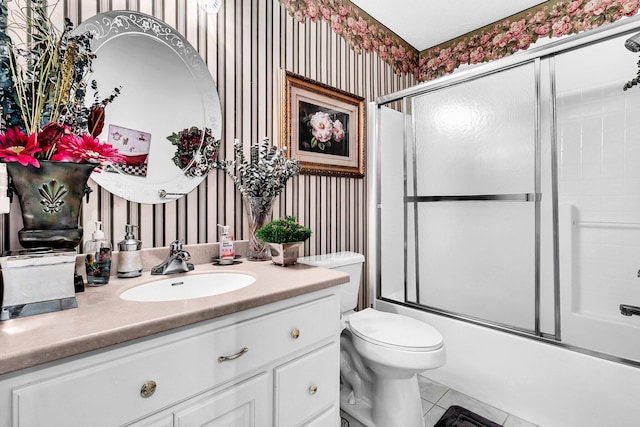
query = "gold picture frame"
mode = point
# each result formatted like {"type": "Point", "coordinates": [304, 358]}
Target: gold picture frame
{"type": "Point", "coordinates": [323, 127]}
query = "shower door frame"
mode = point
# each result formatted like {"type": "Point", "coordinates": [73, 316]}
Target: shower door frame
{"type": "Point", "coordinates": [546, 51]}
{"type": "Point", "coordinates": [514, 197]}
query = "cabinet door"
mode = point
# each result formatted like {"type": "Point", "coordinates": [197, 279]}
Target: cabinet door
{"type": "Point", "coordinates": [245, 404]}
{"type": "Point", "coordinates": [307, 386]}
{"type": "Point", "coordinates": [329, 418]}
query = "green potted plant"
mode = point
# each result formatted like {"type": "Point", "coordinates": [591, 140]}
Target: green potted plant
{"type": "Point", "coordinates": [284, 236]}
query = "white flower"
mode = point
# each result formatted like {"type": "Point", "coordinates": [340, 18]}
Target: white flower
{"type": "Point", "coordinates": [321, 126]}
{"type": "Point", "coordinates": [338, 131]}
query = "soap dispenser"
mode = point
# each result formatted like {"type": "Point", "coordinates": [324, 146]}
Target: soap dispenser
{"type": "Point", "coordinates": [227, 251]}
{"type": "Point", "coordinates": [130, 256]}
{"type": "Point", "coordinates": [98, 258]}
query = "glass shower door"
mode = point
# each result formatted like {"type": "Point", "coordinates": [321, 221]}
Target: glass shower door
{"type": "Point", "coordinates": [471, 199]}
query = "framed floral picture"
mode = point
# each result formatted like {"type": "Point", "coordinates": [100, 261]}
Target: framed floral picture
{"type": "Point", "coordinates": [323, 127]}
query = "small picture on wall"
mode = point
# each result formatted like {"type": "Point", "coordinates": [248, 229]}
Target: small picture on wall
{"type": "Point", "coordinates": [134, 146]}
{"type": "Point", "coordinates": [323, 127]}
{"type": "Point", "coordinates": [323, 130]}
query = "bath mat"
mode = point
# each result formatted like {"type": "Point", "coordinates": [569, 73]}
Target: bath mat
{"type": "Point", "coordinates": [457, 416]}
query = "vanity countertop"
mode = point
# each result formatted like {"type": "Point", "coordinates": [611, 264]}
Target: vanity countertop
{"type": "Point", "coordinates": [103, 319]}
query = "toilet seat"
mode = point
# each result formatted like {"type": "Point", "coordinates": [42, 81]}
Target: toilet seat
{"type": "Point", "coordinates": [394, 331]}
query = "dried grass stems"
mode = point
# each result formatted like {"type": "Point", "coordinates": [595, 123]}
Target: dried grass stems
{"type": "Point", "coordinates": [264, 174]}
{"type": "Point", "coordinates": [43, 69]}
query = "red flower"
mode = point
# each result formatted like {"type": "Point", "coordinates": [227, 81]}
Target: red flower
{"type": "Point", "coordinates": [50, 135]}
{"type": "Point", "coordinates": [96, 120]}
{"type": "Point", "coordinates": [15, 146]}
{"type": "Point", "coordinates": [73, 148]}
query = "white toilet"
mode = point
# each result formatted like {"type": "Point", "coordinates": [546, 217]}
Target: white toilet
{"type": "Point", "coordinates": [381, 353]}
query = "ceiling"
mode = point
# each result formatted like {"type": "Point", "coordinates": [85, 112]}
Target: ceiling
{"type": "Point", "coordinates": [427, 23]}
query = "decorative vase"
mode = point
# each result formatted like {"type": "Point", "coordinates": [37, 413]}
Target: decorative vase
{"type": "Point", "coordinates": [258, 211]}
{"type": "Point", "coordinates": [50, 199]}
{"type": "Point", "coordinates": [285, 253]}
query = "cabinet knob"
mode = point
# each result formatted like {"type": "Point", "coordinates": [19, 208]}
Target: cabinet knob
{"type": "Point", "coordinates": [313, 389]}
{"type": "Point", "coordinates": [295, 333]}
{"type": "Point", "coordinates": [148, 389]}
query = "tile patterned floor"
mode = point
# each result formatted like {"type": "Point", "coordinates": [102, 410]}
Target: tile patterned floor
{"type": "Point", "coordinates": [436, 399]}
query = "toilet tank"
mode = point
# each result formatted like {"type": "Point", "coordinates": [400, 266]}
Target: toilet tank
{"type": "Point", "coordinates": [349, 262]}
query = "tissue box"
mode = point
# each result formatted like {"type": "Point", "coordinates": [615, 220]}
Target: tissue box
{"type": "Point", "coordinates": [33, 277]}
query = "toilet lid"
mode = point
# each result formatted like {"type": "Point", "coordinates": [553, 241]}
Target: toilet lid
{"type": "Point", "coordinates": [394, 330]}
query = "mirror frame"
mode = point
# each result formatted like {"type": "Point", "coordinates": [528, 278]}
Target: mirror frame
{"type": "Point", "coordinates": [107, 26]}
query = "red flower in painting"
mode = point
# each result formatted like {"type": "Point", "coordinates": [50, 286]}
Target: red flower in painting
{"type": "Point", "coordinates": [15, 146]}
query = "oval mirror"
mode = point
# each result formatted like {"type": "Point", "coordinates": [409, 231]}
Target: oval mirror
{"type": "Point", "coordinates": [166, 88]}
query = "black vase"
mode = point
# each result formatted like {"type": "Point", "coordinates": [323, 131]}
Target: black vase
{"type": "Point", "coordinates": [50, 199]}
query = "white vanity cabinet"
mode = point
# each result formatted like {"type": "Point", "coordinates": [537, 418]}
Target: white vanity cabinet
{"type": "Point", "coordinates": [272, 365]}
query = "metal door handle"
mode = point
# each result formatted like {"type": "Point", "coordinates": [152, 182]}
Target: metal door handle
{"type": "Point", "coordinates": [233, 356]}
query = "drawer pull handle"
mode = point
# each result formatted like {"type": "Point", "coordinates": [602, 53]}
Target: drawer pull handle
{"type": "Point", "coordinates": [295, 333]}
{"type": "Point", "coordinates": [233, 356]}
{"type": "Point", "coordinates": [313, 389]}
{"type": "Point", "coordinates": [148, 389]}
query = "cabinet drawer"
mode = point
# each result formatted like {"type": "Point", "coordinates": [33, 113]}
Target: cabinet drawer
{"type": "Point", "coordinates": [274, 336]}
{"type": "Point", "coordinates": [307, 386]}
{"type": "Point", "coordinates": [108, 390]}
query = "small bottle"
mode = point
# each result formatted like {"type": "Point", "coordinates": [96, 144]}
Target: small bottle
{"type": "Point", "coordinates": [227, 251]}
{"type": "Point", "coordinates": [130, 256]}
{"type": "Point", "coordinates": [98, 258]}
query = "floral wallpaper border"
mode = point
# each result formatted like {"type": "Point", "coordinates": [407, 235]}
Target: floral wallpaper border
{"type": "Point", "coordinates": [518, 32]}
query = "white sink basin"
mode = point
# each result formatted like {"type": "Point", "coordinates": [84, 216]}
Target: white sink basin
{"type": "Point", "coordinates": [188, 287]}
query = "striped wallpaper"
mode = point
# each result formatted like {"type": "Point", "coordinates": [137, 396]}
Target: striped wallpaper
{"type": "Point", "coordinates": [245, 46]}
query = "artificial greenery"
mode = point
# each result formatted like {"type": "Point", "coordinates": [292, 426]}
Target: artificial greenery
{"type": "Point", "coordinates": [196, 151]}
{"type": "Point", "coordinates": [43, 78]}
{"type": "Point", "coordinates": [283, 230]}
{"type": "Point", "coordinates": [633, 82]}
{"type": "Point", "coordinates": [264, 174]}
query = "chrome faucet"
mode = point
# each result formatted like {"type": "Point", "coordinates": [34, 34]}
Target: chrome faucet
{"type": "Point", "coordinates": [176, 262]}
{"type": "Point", "coordinates": [629, 310]}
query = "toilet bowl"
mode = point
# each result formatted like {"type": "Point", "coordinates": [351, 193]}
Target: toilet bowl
{"type": "Point", "coordinates": [381, 354]}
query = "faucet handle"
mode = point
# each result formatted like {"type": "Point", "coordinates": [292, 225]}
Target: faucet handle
{"type": "Point", "coordinates": [175, 246]}
{"type": "Point", "coordinates": [184, 255]}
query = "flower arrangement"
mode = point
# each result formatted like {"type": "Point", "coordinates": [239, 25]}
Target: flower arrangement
{"type": "Point", "coordinates": [283, 230]}
{"type": "Point", "coordinates": [264, 174]}
{"type": "Point", "coordinates": [42, 92]}
{"type": "Point", "coordinates": [57, 143]}
{"type": "Point", "coordinates": [259, 179]}
{"type": "Point", "coordinates": [325, 129]}
{"type": "Point", "coordinates": [195, 153]}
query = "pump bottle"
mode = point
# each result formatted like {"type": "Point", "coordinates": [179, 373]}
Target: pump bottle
{"type": "Point", "coordinates": [129, 256]}
{"type": "Point", "coordinates": [227, 251]}
{"type": "Point", "coordinates": [98, 258]}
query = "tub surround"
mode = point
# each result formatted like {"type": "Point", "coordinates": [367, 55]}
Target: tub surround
{"type": "Point", "coordinates": [544, 384]}
{"type": "Point", "coordinates": [103, 319]}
